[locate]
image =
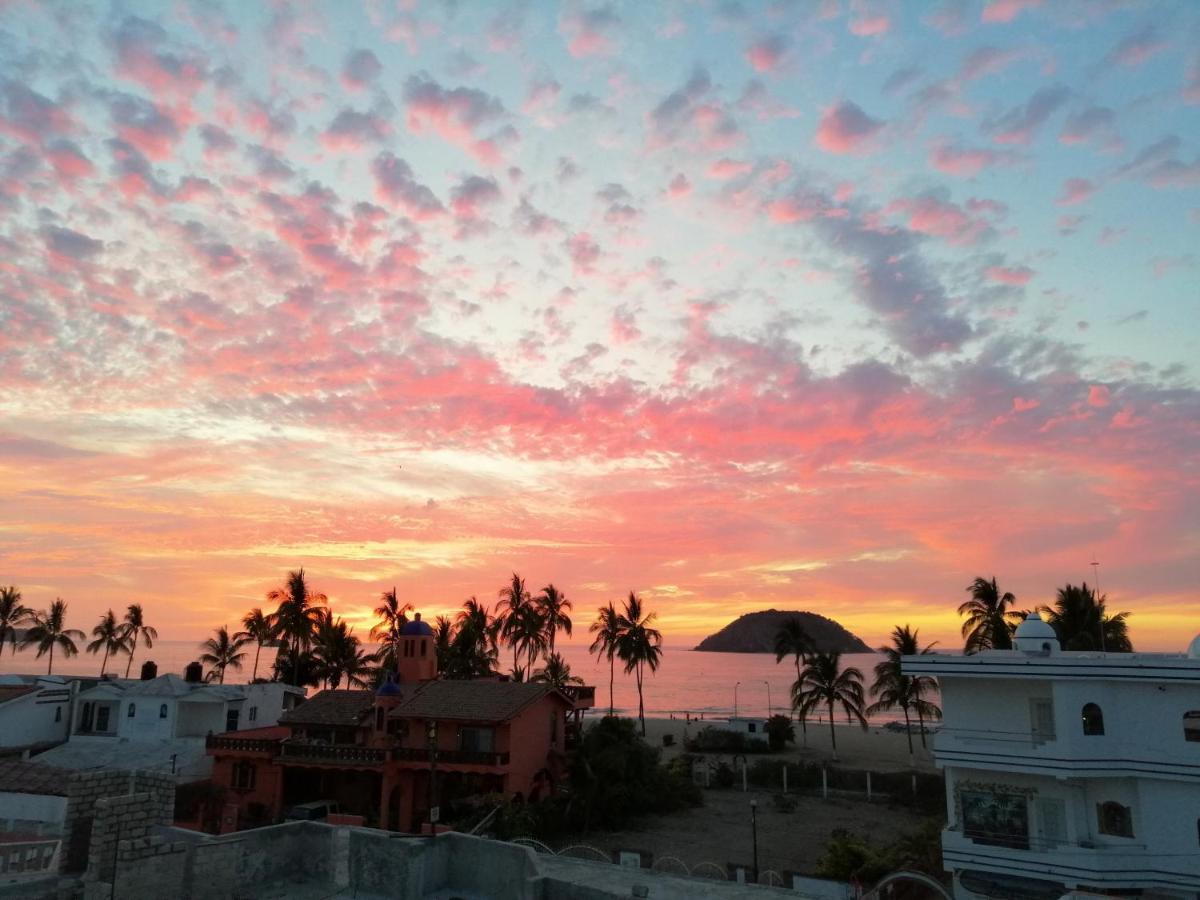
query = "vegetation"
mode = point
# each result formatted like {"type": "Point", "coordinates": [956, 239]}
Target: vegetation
{"type": "Point", "coordinates": [639, 646]}
{"type": "Point", "coordinates": [824, 683]}
{"type": "Point", "coordinates": [1082, 622]}
{"type": "Point", "coordinates": [392, 616]}
{"type": "Point", "coordinates": [553, 608]}
{"type": "Point", "coordinates": [893, 688]}
{"type": "Point", "coordinates": [12, 616]}
{"type": "Point", "coordinates": [337, 653]}
{"type": "Point", "coordinates": [110, 637]}
{"type": "Point", "coordinates": [223, 652]}
{"type": "Point", "coordinates": [258, 628]}
{"type": "Point", "coordinates": [49, 630]}
{"type": "Point", "coordinates": [852, 857]}
{"type": "Point", "coordinates": [295, 618]}
{"type": "Point", "coordinates": [721, 740]}
{"type": "Point", "coordinates": [780, 732]}
{"type": "Point", "coordinates": [556, 673]}
{"type": "Point", "coordinates": [607, 628]}
{"type": "Point", "coordinates": [136, 630]}
{"type": "Point", "coordinates": [990, 618]}
{"type": "Point", "coordinates": [792, 639]}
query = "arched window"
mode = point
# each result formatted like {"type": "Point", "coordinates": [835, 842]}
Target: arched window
{"type": "Point", "coordinates": [162, 711]}
{"type": "Point", "coordinates": [1115, 819]}
{"type": "Point", "coordinates": [132, 710]}
{"type": "Point", "coordinates": [1191, 726]}
{"type": "Point", "coordinates": [1093, 719]}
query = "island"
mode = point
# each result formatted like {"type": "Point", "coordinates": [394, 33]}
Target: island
{"type": "Point", "coordinates": [755, 633]}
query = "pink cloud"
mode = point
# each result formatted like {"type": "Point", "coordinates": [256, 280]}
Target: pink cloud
{"type": "Point", "coordinates": [934, 216]}
{"type": "Point", "coordinates": [1007, 10]}
{"type": "Point", "coordinates": [590, 32]}
{"type": "Point", "coordinates": [767, 53]}
{"type": "Point", "coordinates": [1016, 276]}
{"type": "Point", "coordinates": [361, 69]}
{"type": "Point", "coordinates": [845, 128]}
{"type": "Point", "coordinates": [1021, 404]}
{"type": "Point", "coordinates": [1076, 190]}
{"type": "Point", "coordinates": [870, 26]}
{"type": "Point", "coordinates": [69, 161]}
{"type": "Point", "coordinates": [1137, 48]}
{"type": "Point", "coordinates": [679, 187]}
{"type": "Point", "coordinates": [583, 252]}
{"type": "Point", "coordinates": [1098, 396]}
{"type": "Point", "coordinates": [728, 168]}
{"type": "Point", "coordinates": [455, 115]}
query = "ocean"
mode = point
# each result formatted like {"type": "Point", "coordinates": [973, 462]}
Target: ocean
{"type": "Point", "coordinates": [687, 681]}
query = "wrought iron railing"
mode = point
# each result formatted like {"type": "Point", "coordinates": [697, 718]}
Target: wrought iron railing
{"type": "Point", "coordinates": [342, 754]}
{"type": "Point", "coordinates": [246, 745]}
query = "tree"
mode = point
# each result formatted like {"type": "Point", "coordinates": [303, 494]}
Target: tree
{"type": "Point", "coordinates": [607, 628]}
{"type": "Point", "coordinates": [513, 600]}
{"type": "Point", "coordinates": [1078, 618]}
{"type": "Point", "coordinates": [823, 682]}
{"type": "Point", "coordinates": [136, 629]}
{"type": "Point", "coordinates": [295, 619]}
{"type": "Point", "coordinates": [338, 653]}
{"type": "Point", "coordinates": [393, 616]}
{"type": "Point", "coordinates": [258, 628]}
{"type": "Point", "coordinates": [12, 616]}
{"type": "Point", "coordinates": [49, 630]}
{"type": "Point", "coordinates": [639, 646]}
{"type": "Point", "coordinates": [223, 652]}
{"type": "Point", "coordinates": [792, 640]}
{"type": "Point", "coordinates": [990, 618]}
{"type": "Point", "coordinates": [779, 732]}
{"type": "Point", "coordinates": [527, 634]}
{"type": "Point", "coordinates": [472, 652]}
{"type": "Point", "coordinates": [110, 637]}
{"type": "Point", "coordinates": [556, 673]}
{"type": "Point", "coordinates": [893, 688]}
{"type": "Point", "coordinates": [554, 607]}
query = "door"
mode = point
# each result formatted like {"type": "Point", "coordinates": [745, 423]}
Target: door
{"type": "Point", "coordinates": [1041, 715]}
{"type": "Point", "coordinates": [1051, 822]}
{"type": "Point", "coordinates": [102, 713]}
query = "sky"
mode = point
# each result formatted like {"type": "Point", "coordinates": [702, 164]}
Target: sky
{"type": "Point", "coordinates": [807, 305]}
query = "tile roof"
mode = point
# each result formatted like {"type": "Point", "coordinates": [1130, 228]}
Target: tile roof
{"type": "Point", "coordinates": [475, 701]}
{"type": "Point", "coordinates": [331, 708]}
{"type": "Point", "coordinates": [12, 692]}
{"type": "Point", "coordinates": [18, 776]}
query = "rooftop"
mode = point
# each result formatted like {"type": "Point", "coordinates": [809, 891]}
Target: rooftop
{"type": "Point", "coordinates": [20, 777]}
{"type": "Point", "coordinates": [346, 708]}
{"type": "Point", "coordinates": [12, 692]}
{"type": "Point", "coordinates": [474, 701]}
{"type": "Point", "coordinates": [1063, 664]}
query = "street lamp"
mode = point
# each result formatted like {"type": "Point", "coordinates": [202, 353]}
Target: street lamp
{"type": "Point", "coordinates": [431, 736]}
{"type": "Point", "coordinates": [735, 708]}
{"type": "Point", "coordinates": [769, 710]}
{"type": "Point", "coordinates": [754, 836]}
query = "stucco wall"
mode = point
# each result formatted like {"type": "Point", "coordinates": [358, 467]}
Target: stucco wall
{"type": "Point", "coordinates": [31, 719]}
{"type": "Point", "coordinates": [36, 813]}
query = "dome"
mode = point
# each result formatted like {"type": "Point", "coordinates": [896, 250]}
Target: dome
{"type": "Point", "coordinates": [416, 628]}
{"type": "Point", "coordinates": [1035, 635]}
{"type": "Point", "coordinates": [389, 688]}
{"type": "Point", "coordinates": [1193, 650]}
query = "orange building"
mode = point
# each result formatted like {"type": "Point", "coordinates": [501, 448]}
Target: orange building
{"type": "Point", "coordinates": [389, 756]}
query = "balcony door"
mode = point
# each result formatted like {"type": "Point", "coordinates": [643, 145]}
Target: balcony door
{"type": "Point", "coordinates": [1051, 821]}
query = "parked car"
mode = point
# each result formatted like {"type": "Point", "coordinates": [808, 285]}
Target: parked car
{"type": "Point", "coordinates": [313, 811]}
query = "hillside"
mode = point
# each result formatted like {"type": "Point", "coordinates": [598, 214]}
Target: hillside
{"type": "Point", "coordinates": [755, 633]}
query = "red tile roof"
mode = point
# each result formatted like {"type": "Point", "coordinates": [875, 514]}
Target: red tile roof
{"type": "Point", "coordinates": [347, 708]}
{"type": "Point", "coordinates": [474, 701]}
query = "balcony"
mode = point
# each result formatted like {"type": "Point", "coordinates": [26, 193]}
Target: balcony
{"type": "Point", "coordinates": [451, 757]}
{"type": "Point", "coordinates": [242, 745]}
{"type": "Point", "coordinates": [582, 695]}
{"type": "Point", "coordinates": [333, 754]}
{"type": "Point", "coordinates": [1123, 864]}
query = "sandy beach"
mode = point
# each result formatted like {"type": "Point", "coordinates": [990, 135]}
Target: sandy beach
{"type": "Point", "coordinates": [876, 748]}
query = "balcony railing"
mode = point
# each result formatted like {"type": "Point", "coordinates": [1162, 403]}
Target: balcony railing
{"type": "Point", "coordinates": [582, 695]}
{"type": "Point", "coordinates": [452, 757]}
{"type": "Point", "coordinates": [338, 754]}
{"type": "Point", "coordinates": [243, 745]}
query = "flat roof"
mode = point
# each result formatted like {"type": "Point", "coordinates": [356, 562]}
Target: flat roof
{"type": "Point", "coordinates": [1065, 664]}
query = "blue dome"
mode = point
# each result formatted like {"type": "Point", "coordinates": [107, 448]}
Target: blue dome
{"type": "Point", "coordinates": [389, 688]}
{"type": "Point", "coordinates": [416, 627]}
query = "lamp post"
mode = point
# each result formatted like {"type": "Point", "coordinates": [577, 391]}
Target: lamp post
{"type": "Point", "coordinates": [769, 709]}
{"type": "Point", "coordinates": [735, 708]}
{"type": "Point", "coordinates": [431, 735]}
{"type": "Point", "coordinates": [754, 836]}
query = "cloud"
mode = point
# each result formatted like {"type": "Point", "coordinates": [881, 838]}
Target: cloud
{"type": "Point", "coordinates": [352, 130]}
{"type": "Point", "coordinates": [143, 56]}
{"type": "Point", "coordinates": [69, 243]}
{"type": "Point", "coordinates": [985, 61]}
{"type": "Point", "coordinates": [933, 214]}
{"type": "Point", "coordinates": [216, 140]}
{"type": "Point", "coordinates": [845, 128]}
{"type": "Point", "coordinates": [966, 162]}
{"type": "Point", "coordinates": [590, 32]}
{"type": "Point", "coordinates": [1159, 165]}
{"type": "Point", "coordinates": [30, 116]}
{"type": "Point", "coordinates": [1076, 190]}
{"type": "Point", "coordinates": [472, 195]}
{"type": "Point", "coordinates": [361, 69]}
{"type": "Point", "coordinates": [68, 160]}
{"type": "Point", "coordinates": [396, 186]}
{"type": "Point", "coordinates": [583, 252]}
{"type": "Point", "coordinates": [1004, 11]}
{"type": "Point", "coordinates": [456, 115]}
{"type": "Point", "coordinates": [694, 116]}
{"type": "Point", "coordinates": [144, 126]}
{"type": "Point", "coordinates": [1136, 49]}
{"type": "Point", "coordinates": [1016, 276]}
{"type": "Point", "coordinates": [1020, 124]}
{"type": "Point", "coordinates": [767, 53]}
{"type": "Point", "coordinates": [1092, 124]}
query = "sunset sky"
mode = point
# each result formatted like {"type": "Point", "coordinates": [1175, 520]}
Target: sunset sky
{"type": "Point", "coordinates": [816, 305]}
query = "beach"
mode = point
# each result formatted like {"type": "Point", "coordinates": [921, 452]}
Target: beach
{"type": "Point", "coordinates": [875, 749]}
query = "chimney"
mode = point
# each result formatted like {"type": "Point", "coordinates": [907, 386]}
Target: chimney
{"type": "Point", "coordinates": [149, 670]}
{"type": "Point", "coordinates": [194, 673]}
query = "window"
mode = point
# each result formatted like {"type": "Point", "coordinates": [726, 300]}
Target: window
{"type": "Point", "coordinates": [58, 714]}
{"type": "Point", "coordinates": [1093, 719]}
{"type": "Point", "coordinates": [85, 718]}
{"type": "Point", "coordinates": [753, 726]}
{"type": "Point", "coordinates": [243, 776]}
{"type": "Point", "coordinates": [102, 714]}
{"type": "Point", "coordinates": [1191, 726]}
{"type": "Point", "coordinates": [1114, 819]}
{"type": "Point", "coordinates": [479, 740]}
{"type": "Point", "coordinates": [231, 719]}
{"type": "Point", "coordinates": [998, 819]}
{"type": "Point", "coordinates": [132, 711]}
{"type": "Point", "coordinates": [253, 714]}
{"type": "Point", "coordinates": [424, 647]}
{"type": "Point", "coordinates": [162, 711]}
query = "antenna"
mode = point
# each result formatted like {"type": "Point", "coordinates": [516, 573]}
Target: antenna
{"type": "Point", "coordinates": [1096, 588]}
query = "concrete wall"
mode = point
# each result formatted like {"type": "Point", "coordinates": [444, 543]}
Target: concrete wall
{"type": "Point", "coordinates": [87, 789]}
{"type": "Point", "coordinates": [268, 701]}
{"type": "Point", "coordinates": [43, 717]}
{"type": "Point", "coordinates": [36, 813]}
{"type": "Point", "coordinates": [147, 724]}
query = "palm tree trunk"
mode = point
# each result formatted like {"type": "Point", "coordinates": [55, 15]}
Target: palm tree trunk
{"type": "Point", "coordinates": [641, 705]}
{"type": "Point", "coordinates": [296, 662]}
{"type": "Point", "coordinates": [132, 650]}
{"type": "Point", "coordinates": [832, 730]}
{"type": "Point", "coordinates": [803, 717]}
{"type": "Point", "coordinates": [921, 719]}
{"type": "Point", "coordinates": [257, 651]}
{"type": "Point", "coordinates": [908, 731]}
{"type": "Point", "coordinates": [104, 662]}
{"type": "Point", "coordinates": [50, 668]}
{"type": "Point", "coordinates": [612, 675]}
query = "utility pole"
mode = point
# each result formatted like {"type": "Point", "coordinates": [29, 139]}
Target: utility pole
{"type": "Point", "coordinates": [1096, 596]}
{"type": "Point", "coordinates": [754, 836]}
{"type": "Point", "coordinates": [735, 706]}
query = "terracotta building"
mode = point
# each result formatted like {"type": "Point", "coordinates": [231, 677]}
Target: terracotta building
{"type": "Point", "coordinates": [389, 756]}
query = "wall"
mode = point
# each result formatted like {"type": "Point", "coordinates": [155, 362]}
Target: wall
{"type": "Point", "coordinates": [1142, 720]}
{"type": "Point", "coordinates": [147, 724]}
{"type": "Point", "coordinates": [31, 719]}
{"type": "Point", "coordinates": [997, 707]}
{"type": "Point", "coordinates": [198, 719]}
{"type": "Point", "coordinates": [32, 813]}
{"type": "Point", "coordinates": [529, 741]}
{"type": "Point", "coordinates": [269, 700]}
{"type": "Point", "coordinates": [87, 789]}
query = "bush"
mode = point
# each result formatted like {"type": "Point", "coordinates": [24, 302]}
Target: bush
{"type": "Point", "coordinates": [718, 740]}
{"type": "Point", "coordinates": [851, 856]}
{"type": "Point", "coordinates": [780, 732]}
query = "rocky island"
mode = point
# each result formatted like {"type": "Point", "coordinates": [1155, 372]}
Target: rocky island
{"type": "Point", "coordinates": [755, 633]}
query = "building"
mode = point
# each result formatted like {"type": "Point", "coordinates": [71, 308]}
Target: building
{"type": "Point", "coordinates": [160, 724]}
{"type": "Point", "coordinates": [390, 757]}
{"type": "Point", "coordinates": [1069, 770]}
{"type": "Point", "coordinates": [35, 713]}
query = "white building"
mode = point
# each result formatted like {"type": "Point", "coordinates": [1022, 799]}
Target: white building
{"type": "Point", "coordinates": [35, 712]}
{"type": "Point", "coordinates": [1069, 769]}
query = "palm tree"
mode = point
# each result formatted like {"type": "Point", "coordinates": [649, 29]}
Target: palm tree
{"type": "Point", "coordinates": [990, 617]}
{"type": "Point", "coordinates": [893, 688]}
{"type": "Point", "coordinates": [49, 630]}
{"type": "Point", "coordinates": [12, 616]}
{"type": "Point", "coordinates": [607, 628]}
{"type": "Point", "coordinates": [110, 637]}
{"type": "Point", "coordinates": [223, 652]}
{"type": "Point", "coordinates": [472, 651]}
{"type": "Point", "coordinates": [527, 633]}
{"type": "Point", "coordinates": [639, 646]}
{"type": "Point", "coordinates": [792, 640]}
{"type": "Point", "coordinates": [135, 628]}
{"type": "Point", "coordinates": [513, 599]}
{"type": "Point", "coordinates": [824, 683]}
{"type": "Point", "coordinates": [393, 616]}
{"type": "Point", "coordinates": [257, 627]}
{"type": "Point", "coordinates": [1078, 618]}
{"type": "Point", "coordinates": [554, 606]}
{"type": "Point", "coordinates": [556, 673]}
{"type": "Point", "coordinates": [338, 652]}
{"type": "Point", "coordinates": [295, 619]}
